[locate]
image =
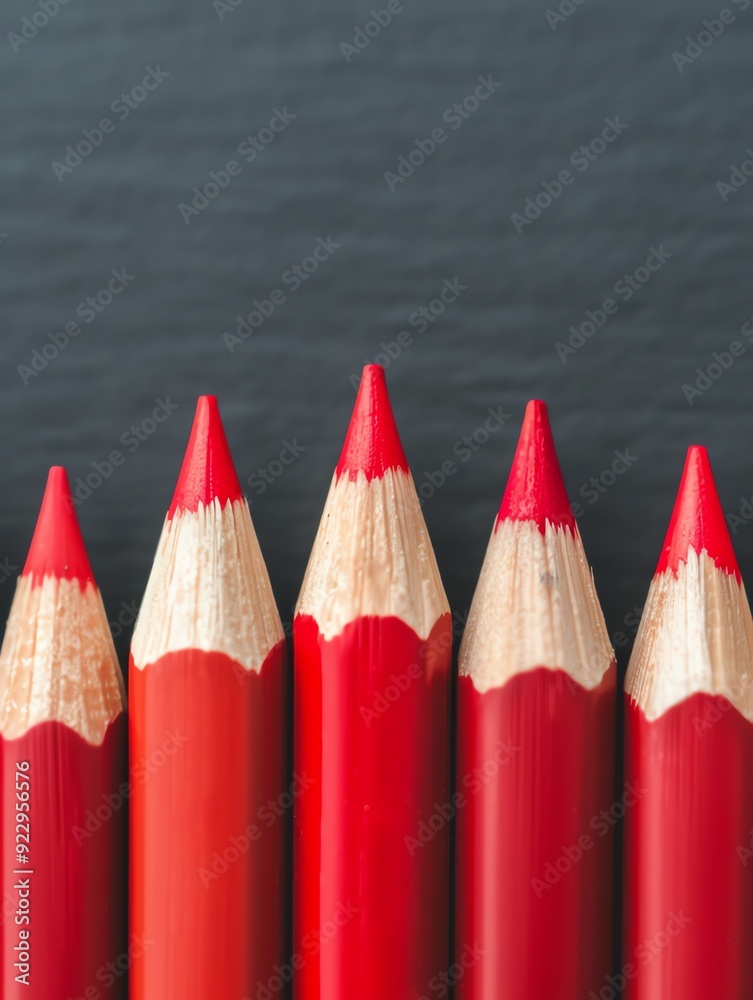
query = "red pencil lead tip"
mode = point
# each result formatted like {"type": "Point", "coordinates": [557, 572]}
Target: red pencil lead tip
{"type": "Point", "coordinates": [535, 490]}
{"type": "Point", "coordinates": [208, 472]}
{"type": "Point", "coordinates": [57, 548]}
{"type": "Point", "coordinates": [372, 444]}
{"type": "Point", "coordinates": [698, 520]}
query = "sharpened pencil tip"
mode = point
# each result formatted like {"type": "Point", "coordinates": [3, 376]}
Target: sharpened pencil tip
{"type": "Point", "coordinates": [208, 472]}
{"type": "Point", "coordinates": [372, 444]}
{"type": "Point", "coordinates": [698, 520]}
{"type": "Point", "coordinates": [535, 489]}
{"type": "Point", "coordinates": [57, 548]}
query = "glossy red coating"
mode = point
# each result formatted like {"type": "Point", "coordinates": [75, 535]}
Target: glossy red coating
{"type": "Point", "coordinates": [372, 443]}
{"type": "Point", "coordinates": [534, 837]}
{"type": "Point", "coordinates": [208, 472]}
{"type": "Point", "coordinates": [209, 819]}
{"type": "Point", "coordinates": [688, 867]}
{"type": "Point", "coordinates": [75, 879]}
{"type": "Point", "coordinates": [698, 520]}
{"type": "Point", "coordinates": [57, 548]}
{"type": "Point", "coordinates": [371, 841]}
{"type": "Point", "coordinates": [535, 488]}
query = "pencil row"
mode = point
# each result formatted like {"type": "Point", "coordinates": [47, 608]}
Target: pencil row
{"type": "Point", "coordinates": [202, 760]}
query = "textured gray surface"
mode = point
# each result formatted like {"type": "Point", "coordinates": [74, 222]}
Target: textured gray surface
{"type": "Point", "coordinates": [323, 176]}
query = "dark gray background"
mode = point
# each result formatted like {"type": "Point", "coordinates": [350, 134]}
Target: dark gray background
{"type": "Point", "coordinates": [323, 176]}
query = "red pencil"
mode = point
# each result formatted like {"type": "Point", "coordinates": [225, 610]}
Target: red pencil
{"type": "Point", "coordinates": [689, 747]}
{"type": "Point", "coordinates": [372, 655]}
{"type": "Point", "coordinates": [535, 735]}
{"type": "Point", "coordinates": [207, 734]}
{"type": "Point", "coordinates": [63, 763]}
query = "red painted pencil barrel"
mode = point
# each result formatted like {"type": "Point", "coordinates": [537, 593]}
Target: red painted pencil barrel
{"type": "Point", "coordinates": [688, 874]}
{"type": "Point", "coordinates": [534, 851]}
{"type": "Point", "coordinates": [688, 882]}
{"type": "Point", "coordinates": [63, 865]}
{"type": "Point", "coordinates": [371, 883]}
{"type": "Point", "coordinates": [207, 749]}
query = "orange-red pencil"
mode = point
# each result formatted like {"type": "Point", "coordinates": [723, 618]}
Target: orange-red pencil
{"type": "Point", "coordinates": [207, 729]}
{"type": "Point", "coordinates": [372, 656]}
{"type": "Point", "coordinates": [535, 752]}
{"type": "Point", "coordinates": [688, 883]}
{"type": "Point", "coordinates": [62, 746]}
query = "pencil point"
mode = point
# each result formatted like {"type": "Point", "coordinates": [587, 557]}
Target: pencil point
{"type": "Point", "coordinates": [535, 489]}
{"type": "Point", "coordinates": [57, 548]}
{"type": "Point", "coordinates": [372, 444]}
{"type": "Point", "coordinates": [208, 472]}
{"type": "Point", "coordinates": [698, 520]}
